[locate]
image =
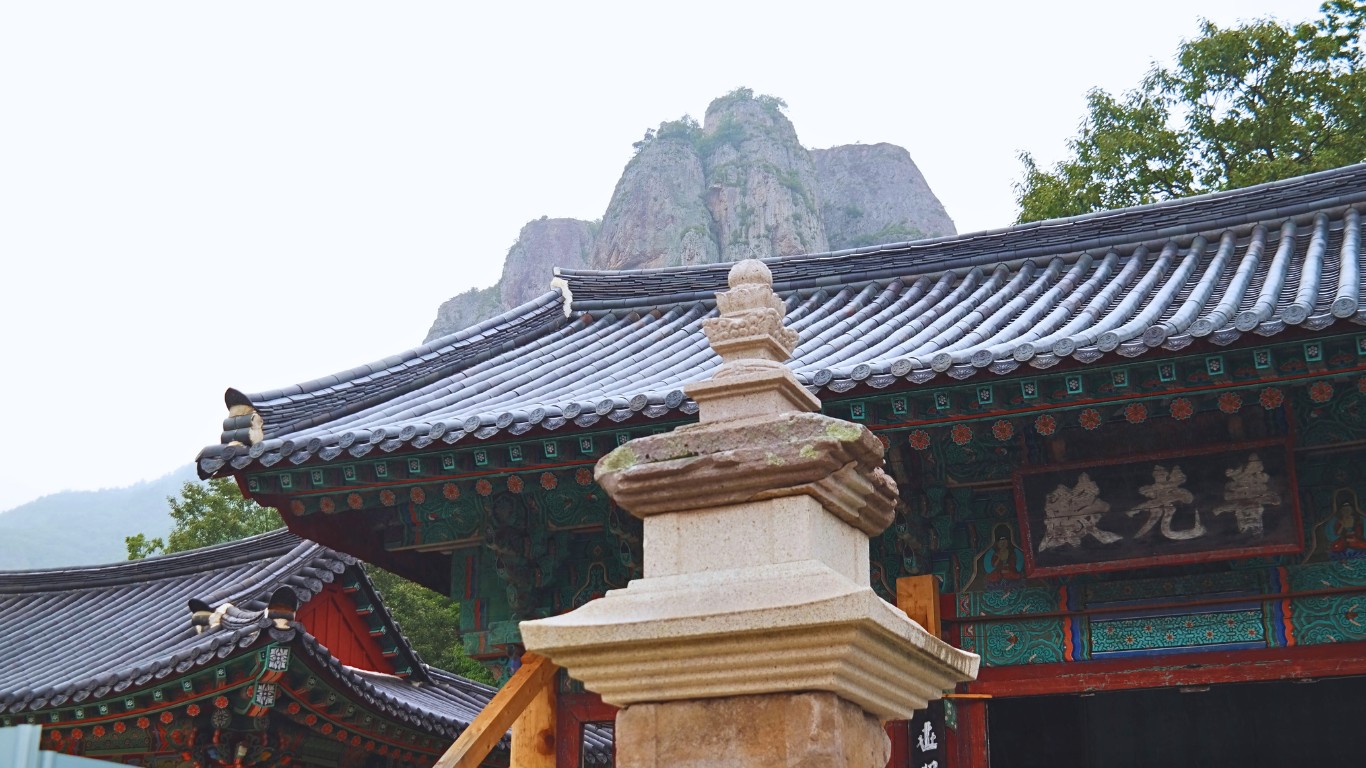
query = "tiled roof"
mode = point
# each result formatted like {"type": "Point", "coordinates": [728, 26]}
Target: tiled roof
{"type": "Point", "coordinates": [1256, 260]}
{"type": "Point", "coordinates": [84, 633]}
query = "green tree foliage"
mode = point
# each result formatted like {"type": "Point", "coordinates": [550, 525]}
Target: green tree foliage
{"type": "Point", "coordinates": [216, 513]}
{"type": "Point", "coordinates": [205, 514]}
{"type": "Point", "coordinates": [728, 131]}
{"type": "Point", "coordinates": [1241, 106]}
{"type": "Point", "coordinates": [430, 621]}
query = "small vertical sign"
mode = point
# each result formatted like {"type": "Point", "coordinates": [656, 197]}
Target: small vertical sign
{"type": "Point", "coordinates": [926, 731]}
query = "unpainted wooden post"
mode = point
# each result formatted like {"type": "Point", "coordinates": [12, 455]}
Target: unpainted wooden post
{"type": "Point", "coordinates": [524, 688]}
{"type": "Point", "coordinates": [533, 734]}
{"type": "Point", "coordinates": [918, 598]}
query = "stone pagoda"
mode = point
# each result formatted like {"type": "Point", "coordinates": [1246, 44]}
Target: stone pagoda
{"type": "Point", "coordinates": [754, 637]}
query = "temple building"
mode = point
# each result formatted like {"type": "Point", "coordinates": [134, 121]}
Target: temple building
{"type": "Point", "coordinates": [1128, 446]}
{"type": "Point", "coordinates": [270, 651]}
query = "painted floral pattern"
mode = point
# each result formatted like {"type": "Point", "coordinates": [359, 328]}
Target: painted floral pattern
{"type": "Point", "coordinates": [417, 495]}
{"type": "Point", "coordinates": [327, 505]}
{"type": "Point", "coordinates": [1003, 430]}
{"type": "Point", "coordinates": [961, 434]}
{"type": "Point", "coordinates": [387, 498]}
{"type": "Point", "coordinates": [583, 476]}
{"type": "Point", "coordinates": [1230, 402]}
{"type": "Point", "coordinates": [450, 491]}
{"type": "Point", "coordinates": [354, 501]}
{"type": "Point", "coordinates": [1321, 392]}
{"type": "Point", "coordinates": [920, 439]}
{"type": "Point", "coordinates": [1181, 409]}
{"type": "Point", "coordinates": [515, 484]}
{"type": "Point", "coordinates": [1089, 419]}
{"type": "Point", "coordinates": [549, 481]}
{"type": "Point", "coordinates": [1045, 425]}
{"type": "Point", "coordinates": [483, 487]}
{"type": "Point", "coordinates": [1271, 398]}
{"type": "Point", "coordinates": [297, 507]}
{"type": "Point", "coordinates": [1136, 413]}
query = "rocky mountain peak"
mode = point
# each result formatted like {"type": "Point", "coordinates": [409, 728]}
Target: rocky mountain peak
{"type": "Point", "coordinates": [737, 186]}
{"type": "Point", "coordinates": [657, 217]}
{"type": "Point", "coordinates": [762, 182]}
{"type": "Point", "coordinates": [874, 193]}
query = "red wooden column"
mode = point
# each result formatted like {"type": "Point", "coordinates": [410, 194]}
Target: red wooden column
{"type": "Point", "coordinates": [967, 744]}
{"type": "Point", "coordinates": [574, 710]}
{"type": "Point", "coordinates": [901, 754]}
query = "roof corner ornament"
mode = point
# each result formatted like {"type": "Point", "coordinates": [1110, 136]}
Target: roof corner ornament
{"type": "Point", "coordinates": [203, 618]}
{"type": "Point", "coordinates": [244, 426]}
{"type": "Point", "coordinates": [753, 344]}
{"type": "Point", "coordinates": [558, 283]}
{"type": "Point", "coordinates": [200, 613]}
{"type": "Point", "coordinates": [282, 607]}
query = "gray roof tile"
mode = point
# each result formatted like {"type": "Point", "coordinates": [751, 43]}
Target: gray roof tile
{"type": "Point", "coordinates": [77, 633]}
{"type": "Point", "coordinates": [1118, 281]}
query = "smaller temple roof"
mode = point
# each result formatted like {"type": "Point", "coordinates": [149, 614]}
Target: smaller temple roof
{"type": "Point", "coordinates": [615, 345]}
{"type": "Point", "coordinates": [78, 634]}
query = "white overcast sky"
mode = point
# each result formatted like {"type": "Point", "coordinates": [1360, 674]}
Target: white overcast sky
{"type": "Point", "coordinates": [199, 195]}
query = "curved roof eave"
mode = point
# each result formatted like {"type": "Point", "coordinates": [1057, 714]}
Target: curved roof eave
{"type": "Point", "coordinates": [1256, 260]}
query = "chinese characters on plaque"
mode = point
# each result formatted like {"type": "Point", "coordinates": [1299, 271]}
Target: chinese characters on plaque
{"type": "Point", "coordinates": [926, 731]}
{"type": "Point", "coordinates": [1218, 503]}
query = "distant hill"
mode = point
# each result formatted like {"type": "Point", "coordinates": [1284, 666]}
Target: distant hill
{"type": "Point", "coordinates": [738, 185]}
{"type": "Point", "coordinates": [86, 527]}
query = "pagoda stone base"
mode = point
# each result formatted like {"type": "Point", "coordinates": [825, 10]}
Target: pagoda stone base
{"type": "Point", "coordinates": [798, 616]}
{"type": "Point", "coordinates": [803, 730]}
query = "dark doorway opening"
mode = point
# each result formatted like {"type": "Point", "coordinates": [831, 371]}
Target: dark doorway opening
{"type": "Point", "coordinates": [1246, 725]}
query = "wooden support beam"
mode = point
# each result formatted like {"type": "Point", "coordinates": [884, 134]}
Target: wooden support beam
{"type": "Point", "coordinates": [526, 685]}
{"type": "Point", "coordinates": [918, 597]}
{"type": "Point", "coordinates": [967, 744]}
{"type": "Point", "coordinates": [533, 733]}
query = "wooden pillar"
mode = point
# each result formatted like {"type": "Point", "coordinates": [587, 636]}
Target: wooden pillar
{"type": "Point", "coordinates": [573, 711]}
{"type": "Point", "coordinates": [533, 733]}
{"type": "Point", "coordinates": [918, 598]}
{"type": "Point", "coordinates": [968, 742]}
{"type": "Point", "coordinates": [901, 756]}
{"type": "Point", "coordinates": [525, 689]}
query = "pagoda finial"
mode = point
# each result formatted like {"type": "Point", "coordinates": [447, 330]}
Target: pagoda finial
{"type": "Point", "coordinates": [751, 323]}
{"type": "Point", "coordinates": [753, 344]}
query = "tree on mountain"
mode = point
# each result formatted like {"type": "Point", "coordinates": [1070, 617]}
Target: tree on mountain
{"type": "Point", "coordinates": [216, 513]}
{"type": "Point", "coordinates": [1244, 105]}
{"type": "Point", "coordinates": [205, 514]}
{"type": "Point", "coordinates": [429, 620]}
